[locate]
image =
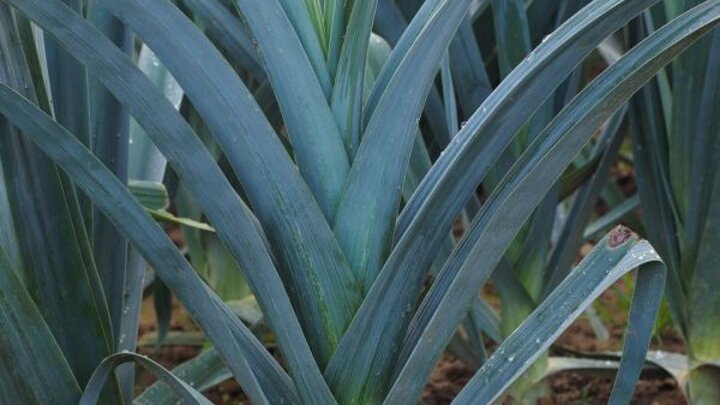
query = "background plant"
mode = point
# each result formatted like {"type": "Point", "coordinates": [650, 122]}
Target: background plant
{"type": "Point", "coordinates": [299, 141]}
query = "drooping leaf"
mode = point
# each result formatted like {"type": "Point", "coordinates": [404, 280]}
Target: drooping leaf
{"type": "Point", "coordinates": [564, 305]}
{"type": "Point", "coordinates": [188, 394]}
{"type": "Point", "coordinates": [202, 372]}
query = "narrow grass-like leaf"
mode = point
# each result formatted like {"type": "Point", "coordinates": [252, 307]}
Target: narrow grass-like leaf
{"type": "Point", "coordinates": [575, 177]}
{"type": "Point", "coordinates": [698, 255]}
{"type": "Point", "coordinates": [33, 368]}
{"type": "Point", "coordinates": [512, 33]}
{"type": "Point", "coordinates": [311, 263]}
{"type": "Point", "coordinates": [162, 303]}
{"type": "Point", "coordinates": [146, 163]}
{"type": "Point", "coordinates": [151, 195]}
{"type": "Point", "coordinates": [595, 228]}
{"type": "Point", "coordinates": [239, 347]}
{"type": "Point", "coordinates": [204, 371]}
{"type": "Point", "coordinates": [389, 21]}
{"type": "Point", "coordinates": [8, 237]}
{"type": "Point", "coordinates": [164, 216]}
{"type": "Point", "coordinates": [468, 69]}
{"type": "Point", "coordinates": [188, 394]}
{"type": "Point", "coordinates": [401, 45]}
{"type": "Point", "coordinates": [392, 25]}
{"type": "Point", "coordinates": [68, 83]}
{"type": "Point", "coordinates": [688, 85]}
{"type": "Point", "coordinates": [109, 134]}
{"type": "Point", "coordinates": [560, 53]}
{"type": "Point", "coordinates": [449, 99]}
{"type": "Point", "coordinates": [648, 132]}
{"type": "Point", "coordinates": [703, 301]}
{"type": "Point", "coordinates": [347, 96]}
{"type": "Point", "coordinates": [196, 167]}
{"type": "Point", "coordinates": [335, 30]}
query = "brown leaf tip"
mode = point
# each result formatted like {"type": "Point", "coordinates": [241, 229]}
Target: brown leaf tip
{"type": "Point", "coordinates": [619, 235]}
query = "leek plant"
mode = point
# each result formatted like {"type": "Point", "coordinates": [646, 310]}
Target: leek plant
{"type": "Point", "coordinates": [300, 138]}
{"type": "Point", "coordinates": [675, 135]}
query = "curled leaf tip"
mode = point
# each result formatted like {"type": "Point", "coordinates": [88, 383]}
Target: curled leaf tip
{"type": "Point", "coordinates": [620, 235]}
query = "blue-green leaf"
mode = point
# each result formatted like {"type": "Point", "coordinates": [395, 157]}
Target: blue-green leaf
{"type": "Point", "coordinates": [316, 140]}
{"type": "Point", "coordinates": [365, 224]}
{"type": "Point", "coordinates": [47, 219]}
{"type": "Point", "coordinates": [347, 96]}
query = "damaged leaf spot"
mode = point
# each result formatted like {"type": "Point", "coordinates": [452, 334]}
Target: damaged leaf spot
{"type": "Point", "coordinates": [619, 236]}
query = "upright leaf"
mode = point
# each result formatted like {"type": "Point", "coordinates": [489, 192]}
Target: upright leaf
{"type": "Point", "coordinates": [109, 133]}
{"type": "Point", "coordinates": [347, 97]}
{"type": "Point", "coordinates": [311, 263]}
{"type": "Point", "coordinates": [33, 368]}
{"type": "Point", "coordinates": [316, 140]}
{"type": "Point", "coordinates": [302, 22]}
{"type": "Point", "coordinates": [365, 224]}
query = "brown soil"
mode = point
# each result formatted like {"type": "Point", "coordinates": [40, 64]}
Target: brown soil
{"type": "Point", "coordinates": [567, 388]}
